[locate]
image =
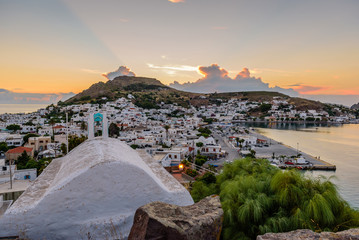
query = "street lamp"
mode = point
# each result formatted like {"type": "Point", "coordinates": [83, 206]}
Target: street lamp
{"type": "Point", "coordinates": [297, 149]}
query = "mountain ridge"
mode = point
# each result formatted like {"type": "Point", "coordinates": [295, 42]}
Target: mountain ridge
{"type": "Point", "coordinates": [149, 92]}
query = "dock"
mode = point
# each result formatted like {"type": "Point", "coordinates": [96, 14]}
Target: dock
{"type": "Point", "coordinates": [280, 149]}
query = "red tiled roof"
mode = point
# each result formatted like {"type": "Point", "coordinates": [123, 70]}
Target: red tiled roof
{"type": "Point", "coordinates": [19, 150]}
{"type": "Point", "coordinates": [59, 126]}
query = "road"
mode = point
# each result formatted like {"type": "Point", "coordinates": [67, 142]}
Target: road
{"type": "Point", "coordinates": [232, 153]}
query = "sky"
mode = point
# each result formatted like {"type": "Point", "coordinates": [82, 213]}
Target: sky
{"type": "Point", "coordinates": [60, 47]}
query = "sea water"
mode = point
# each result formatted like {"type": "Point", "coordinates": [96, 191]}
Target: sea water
{"type": "Point", "coordinates": [336, 144]}
{"type": "Point", "coordinates": [20, 108]}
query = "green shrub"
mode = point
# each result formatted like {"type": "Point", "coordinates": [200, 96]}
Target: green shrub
{"type": "Point", "coordinates": [258, 198]}
{"type": "Point", "coordinates": [191, 172]}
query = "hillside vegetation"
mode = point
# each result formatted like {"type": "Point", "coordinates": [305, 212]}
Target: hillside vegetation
{"type": "Point", "coordinates": [149, 93]}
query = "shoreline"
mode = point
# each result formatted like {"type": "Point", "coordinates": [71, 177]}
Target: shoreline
{"type": "Point", "coordinates": [279, 149]}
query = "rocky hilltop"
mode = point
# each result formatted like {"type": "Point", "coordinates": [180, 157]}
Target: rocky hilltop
{"type": "Point", "coordinates": [149, 92]}
{"type": "Point", "coordinates": [355, 106]}
{"type": "Point", "coordinates": [114, 87]}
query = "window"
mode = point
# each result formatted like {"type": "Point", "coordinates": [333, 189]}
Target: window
{"type": "Point", "coordinates": [27, 177]}
{"type": "Point", "coordinates": [4, 168]}
{"type": "Point", "coordinates": [175, 156]}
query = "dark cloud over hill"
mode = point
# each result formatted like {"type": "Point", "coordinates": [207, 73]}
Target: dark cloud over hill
{"type": "Point", "coordinates": [216, 79]}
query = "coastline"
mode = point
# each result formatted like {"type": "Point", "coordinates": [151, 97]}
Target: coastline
{"type": "Point", "coordinates": [279, 149]}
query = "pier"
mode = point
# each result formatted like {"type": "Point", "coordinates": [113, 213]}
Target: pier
{"type": "Point", "coordinates": [280, 149]}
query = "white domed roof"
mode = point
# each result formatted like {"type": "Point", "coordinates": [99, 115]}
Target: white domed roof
{"type": "Point", "coordinates": [99, 184]}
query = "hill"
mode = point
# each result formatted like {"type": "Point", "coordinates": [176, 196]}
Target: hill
{"type": "Point", "coordinates": [149, 92]}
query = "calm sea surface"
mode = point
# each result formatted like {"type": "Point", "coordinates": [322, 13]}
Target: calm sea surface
{"type": "Point", "coordinates": [20, 108]}
{"type": "Point", "coordinates": [338, 144]}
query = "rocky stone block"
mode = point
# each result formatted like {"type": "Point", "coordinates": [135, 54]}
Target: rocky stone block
{"type": "Point", "coordinates": [158, 220]}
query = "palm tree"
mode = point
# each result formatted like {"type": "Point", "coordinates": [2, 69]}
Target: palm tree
{"type": "Point", "coordinates": [52, 122]}
{"type": "Point", "coordinates": [167, 127]}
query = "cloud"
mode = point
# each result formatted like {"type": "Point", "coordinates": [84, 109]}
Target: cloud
{"type": "Point", "coordinates": [307, 89]}
{"type": "Point", "coordinates": [216, 79]}
{"type": "Point", "coordinates": [121, 71]}
{"type": "Point", "coordinates": [173, 69]}
{"type": "Point", "coordinates": [176, 1]}
{"type": "Point", "coordinates": [3, 91]}
{"type": "Point", "coordinates": [9, 97]}
{"type": "Point", "coordinates": [91, 71]}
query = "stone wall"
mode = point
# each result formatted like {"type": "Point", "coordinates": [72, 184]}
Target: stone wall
{"type": "Point", "coordinates": [305, 234]}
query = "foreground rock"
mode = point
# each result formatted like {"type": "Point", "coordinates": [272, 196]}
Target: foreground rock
{"type": "Point", "coordinates": [305, 234]}
{"type": "Point", "coordinates": [91, 193]}
{"type": "Point", "coordinates": [160, 221]}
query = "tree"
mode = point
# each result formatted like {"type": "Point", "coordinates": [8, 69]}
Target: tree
{"type": "Point", "coordinates": [251, 154]}
{"type": "Point", "coordinates": [3, 147]}
{"type": "Point", "coordinates": [22, 160]}
{"type": "Point", "coordinates": [29, 135]}
{"type": "Point", "coordinates": [113, 130]}
{"type": "Point", "coordinates": [258, 198]}
{"type": "Point", "coordinates": [83, 126]}
{"type": "Point", "coordinates": [13, 127]}
{"type": "Point", "coordinates": [200, 160]}
{"type": "Point", "coordinates": [134, 146]}
{"type": "Point", "coordinates": [265, 107]}
{"type": "Point", "coordinates": [241, 141]}
{"type": "Point", "coordinates": [42, 164]}
{"type": "Point", "coordinates": [205, 131]}
{"type": "Point", "coordinates": [199, 144]}
{"type": "Point", "coordinates": [74, 141]}
{"type": "Point", "coordinates": [52, 122]}
{"type": "Point", "coordinates": [63, 148]}
{"type": "Point", "coordinates": [208, 178]}
{"type": "Point", "coordinates": [166, 128]}
{"type": "Point", "coordinates": [31, 164]}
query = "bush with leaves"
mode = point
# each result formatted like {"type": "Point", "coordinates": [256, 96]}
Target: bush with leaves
{"type": "Point", "coordinates": [185, 162]}
{"type": "Point", "coordinates": [22, 160]}
{"type": "Point", "coordinates": [205, 132]}
{"type": "Point", "coordinates": [29, 135]}
{"type": "Point", "coordinates": [200, 160]}
{"type": "Point", "coordinates": [258, 198]}
{"type": "Point", "coordinates": [74, 141]}
{"type": "Point", "coordinates": [3, 147]}
{"type": "Point", "coordinates": [113, 130]}
{"type": "Point", "coordinates": [191, 172]}
{"type": "Point", "coordinates": [13, 127]}
{"type": "Point", "coordinates": [134, 146]}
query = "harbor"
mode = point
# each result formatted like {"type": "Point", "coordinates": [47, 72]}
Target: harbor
{"type": "Point", "coordinates": [285, 156]}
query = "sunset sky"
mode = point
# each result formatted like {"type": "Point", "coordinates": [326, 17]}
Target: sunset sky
{"type": "Point", "coordinates": [62, 46]}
